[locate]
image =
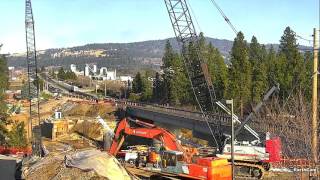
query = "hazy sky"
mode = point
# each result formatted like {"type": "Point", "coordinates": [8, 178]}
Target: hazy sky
{"type": "Point", "coordinates": [64, 23]}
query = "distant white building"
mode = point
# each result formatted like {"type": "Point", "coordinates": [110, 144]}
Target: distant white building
{"type": "Point", "coordinates": [90, 70]}
{"type": "Point", "coordinates": [111, 75]}
{"type": "Point", "coordinates": [107, 75]}
{"type": "Point", "coordinates": [11, 73]}
{"type": "Point", "coordinates": [86, 71]}
{"type": "Point", "coordinates": [94, 69]}
{"type": "Point", "coordinates": [126, 78]}
{"type": "Point", "coordinates": [93, 72]}
{"type": "Point", "coordinates": [73, 69]}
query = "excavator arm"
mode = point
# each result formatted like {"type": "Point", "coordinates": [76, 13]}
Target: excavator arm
{"type": "Point", "coordinates": [123, 129]}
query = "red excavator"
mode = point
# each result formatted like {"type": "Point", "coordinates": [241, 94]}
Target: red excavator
{"type": "Point", "coordinates": [174, 158]}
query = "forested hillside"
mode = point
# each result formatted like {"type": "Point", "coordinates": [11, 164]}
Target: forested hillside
{"type": "Point", "coordinates": [253, 69]}
{"type": "Point", "coordinates": [127, 56]}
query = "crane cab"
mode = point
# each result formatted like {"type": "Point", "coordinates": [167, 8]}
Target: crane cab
{"type": "Point", "coordinates": [172, 162]}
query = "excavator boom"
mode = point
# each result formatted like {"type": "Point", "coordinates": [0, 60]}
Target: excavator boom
{"type": "Point", "coordinates": [123, 129]}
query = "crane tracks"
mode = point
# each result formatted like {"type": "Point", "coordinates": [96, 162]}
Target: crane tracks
{"type": "Point", "coordinates": [249, 170]}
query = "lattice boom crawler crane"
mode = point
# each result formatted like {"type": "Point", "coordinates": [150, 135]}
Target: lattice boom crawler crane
{"type": "Point", "coordinates": [33, 91]}
{"type": "Point", "coordinates": [196, 68]}
{"type": "Point", "coordinates": [202, 87]}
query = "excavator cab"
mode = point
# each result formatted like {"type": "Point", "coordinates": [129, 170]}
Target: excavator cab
{"type": "Point", "coordinates": [173, 162]}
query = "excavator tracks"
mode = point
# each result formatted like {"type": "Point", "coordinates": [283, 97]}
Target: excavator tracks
{"type": "Point", "coordinates": [249, 170]}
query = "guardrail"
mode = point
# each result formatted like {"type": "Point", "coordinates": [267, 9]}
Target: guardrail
{"type": "Point", "coordinates": [66, 88]}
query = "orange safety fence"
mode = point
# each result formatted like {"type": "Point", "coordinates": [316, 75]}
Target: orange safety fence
{"type": "Point", "coordinates": [292, 163]}
{"type": "Point", "coordinates": [15, 151]}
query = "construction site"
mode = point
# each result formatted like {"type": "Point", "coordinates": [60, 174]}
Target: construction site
{"type": "Point", "coordinates": [78, 131]}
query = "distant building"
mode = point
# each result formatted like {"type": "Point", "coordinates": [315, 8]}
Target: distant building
{"type": "Point", "coordinates": [91, 70]}
{"type": "Point", "coordinates": [11, 73]}
{"type": "Point", "coordinates": [111, 75]}
{"type": "Point", "coordinates": [73, 68]}
{"type": "Point", "coordinates": [126, 78]}
{"type": "Point", "coordinates": [86, 71]}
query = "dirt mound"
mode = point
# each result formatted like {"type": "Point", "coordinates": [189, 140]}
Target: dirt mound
{"type": "Point", "coordinates": [92, 110]}
{"type": "Point", "coordinates": [53, 167]}
{"type": "Point", "coordinates": [89, 129]}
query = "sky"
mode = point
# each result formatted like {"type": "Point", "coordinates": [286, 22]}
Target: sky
{"type": "Point", "coordinates": [67, 23]}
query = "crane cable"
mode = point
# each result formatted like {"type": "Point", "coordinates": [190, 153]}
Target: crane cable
{"type": "Point", "coordinates": [201, 110]}
{"type": "Point", "coordinates": [194, 15]}
{"type": "Point", "coordinates": [205, 115]}
{"type": "Point", "coordinates": [224, 16]}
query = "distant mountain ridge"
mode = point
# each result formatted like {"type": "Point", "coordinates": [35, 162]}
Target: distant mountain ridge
{"type": "Point", "coordinates": [145, 54]}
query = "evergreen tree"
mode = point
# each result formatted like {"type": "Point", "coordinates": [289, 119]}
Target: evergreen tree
{"type": "Point", "coordinates": [66, 75]}
{"type": "Point", "coordinates": [168, 56]}
{"type": "Point", "coordinates": [61, 74]}
{"type": "Point", "coordinates": [271, 61]}
{"type": "Point", "coordinates": [175, 82]}
{"type": "Point", "coordinates": [157, 93]}
{"type": "Point", "coordinates": [296, 69]}
{"type": "Point", "coordinates": [137, 83]}
{"type": "Point", "coordinates": [257, 57]}
{"type": "Point", "coordinates": [282, 76]}
{"type": "Point", "coordinates": [3, 74]}
{"type": "Point", "coordinates": [203, 47]}
{"type": "Point", "coordinates": [240, 73]}
{"type": "Point", "coordinates": [288, 44]}
{"type": "Point", "coordinates": [17, 136]}
{"type": "Point", "coordinates": [142, 87]}
{"type": "Point", "coordinates": [146, 91]}
{"type": "Point", "coordinates": [3, 108]}
{"type": "Point", "coordinates": [218, 71]}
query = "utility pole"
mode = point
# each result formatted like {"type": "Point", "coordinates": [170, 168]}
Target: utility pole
{"type": "Point", "coordinates": [232, 138]}
{"type": "Point", "coordinates": [315, 97]}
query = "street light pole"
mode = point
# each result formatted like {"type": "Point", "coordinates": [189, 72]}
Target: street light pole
{"type": "Point", "coordinates": [105, 89]}
{"type": "Point", "coordinates": [232, 138]}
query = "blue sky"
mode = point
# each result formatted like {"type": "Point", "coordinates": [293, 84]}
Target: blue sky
{"type": "Point", "coordinates": [65, 23]}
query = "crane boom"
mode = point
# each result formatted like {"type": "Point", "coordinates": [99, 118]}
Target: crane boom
{"type": "Point", "coordinates": [186, 35]}
{"type": "Point", "coordinates": [256, 109]}
{"type": "Point", "coordinates": [33, 80]}
{"type": "Point", "coordinates": [197, 70]}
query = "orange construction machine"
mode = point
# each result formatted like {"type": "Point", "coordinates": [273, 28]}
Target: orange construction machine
{"type": "Point", "coordinates": [174, 158]}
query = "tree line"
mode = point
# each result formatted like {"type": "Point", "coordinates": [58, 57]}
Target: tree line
{"type": "Point", "coordinates": [251, 70]}
{"type": "Point", "coordinates": [16, 137]}
{"type": "Point", "coordinates": [66, 75]}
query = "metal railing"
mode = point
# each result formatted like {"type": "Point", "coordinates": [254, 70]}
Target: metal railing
{"type": "Point", "coordinates": [214, 118]}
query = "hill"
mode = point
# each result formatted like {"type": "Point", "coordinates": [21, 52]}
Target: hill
{"type": "Point", "coordinates": [123, 56]}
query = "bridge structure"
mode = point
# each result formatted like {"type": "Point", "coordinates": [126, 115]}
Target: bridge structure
{"type": "Point", "coordinates": [175, 118]}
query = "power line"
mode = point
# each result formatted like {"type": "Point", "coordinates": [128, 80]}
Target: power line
{"type": "Point", "coordinates": [224, 16]}
{"type": "Point", "coordinates": [300, 37]}
{"type": "Point", "coordinates": [305, 39]}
